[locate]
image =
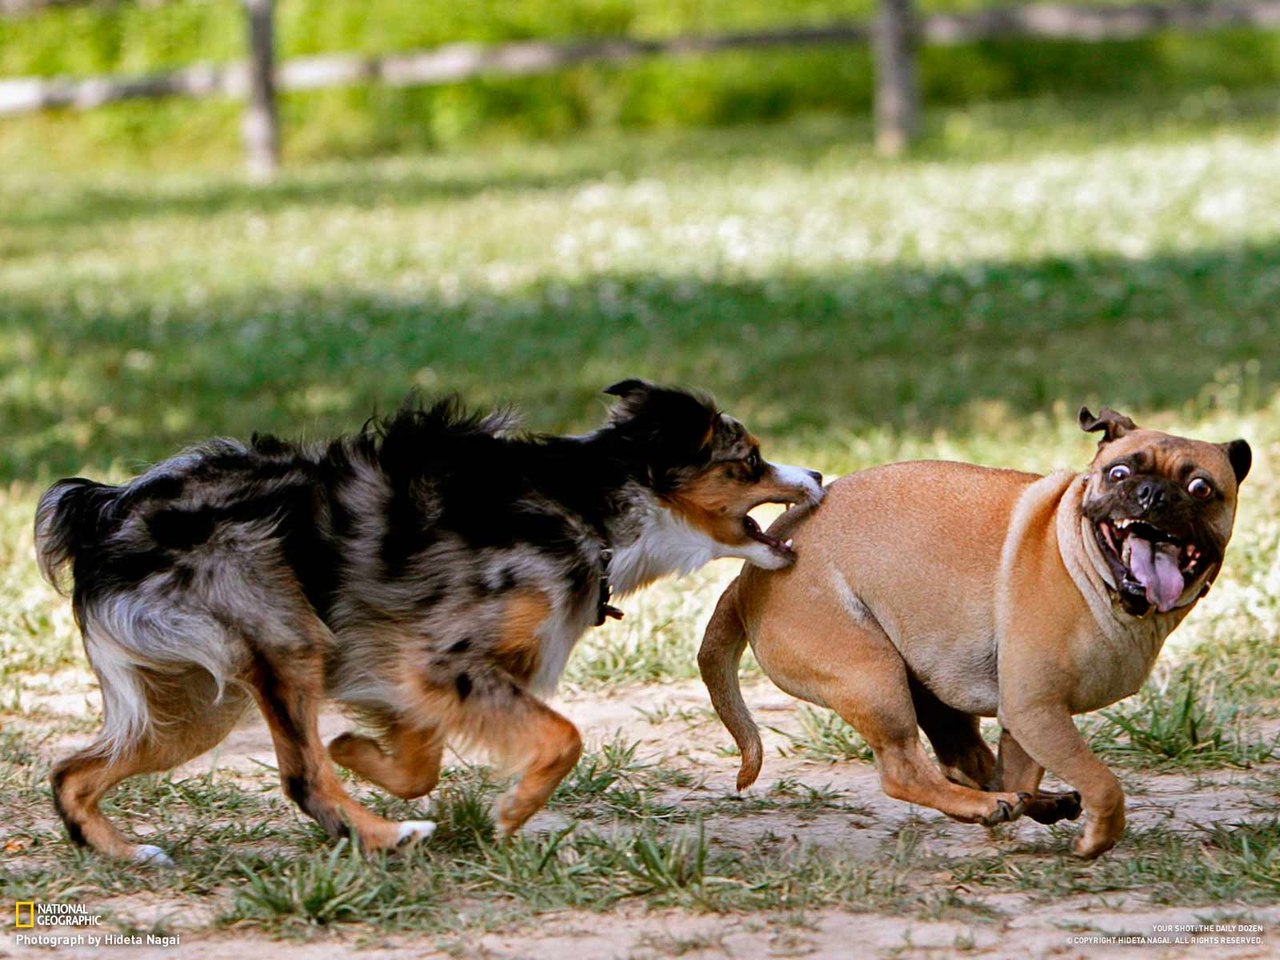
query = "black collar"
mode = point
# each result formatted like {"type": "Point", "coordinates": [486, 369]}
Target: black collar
{"type": "Point", "coordinates": [606, 610]}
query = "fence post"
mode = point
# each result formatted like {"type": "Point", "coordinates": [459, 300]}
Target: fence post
{"type": "Point", "coordinates": [261, 121]}
{"type": "Point", "coordinates": [897, 104]}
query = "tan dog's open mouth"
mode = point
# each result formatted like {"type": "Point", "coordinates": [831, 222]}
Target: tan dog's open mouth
{"type": "Point", "coordinates": [1151, 565]}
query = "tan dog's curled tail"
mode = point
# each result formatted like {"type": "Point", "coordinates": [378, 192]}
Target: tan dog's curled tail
{"type": "Point", "coordinates": [718, 658]}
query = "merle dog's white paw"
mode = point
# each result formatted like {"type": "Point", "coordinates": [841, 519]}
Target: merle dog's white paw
{"type": "Point", "coordinates": [411, 831]}
{"type": "Point", "coordinates": [148, 853]}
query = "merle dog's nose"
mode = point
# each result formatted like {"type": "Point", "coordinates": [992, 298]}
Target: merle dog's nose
{"type": "Point", "coordinates": [1150, 495]}
{"type": "Point", "coordinates": [817, 477]}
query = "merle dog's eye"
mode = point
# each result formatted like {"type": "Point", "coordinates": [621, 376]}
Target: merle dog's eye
{"type": "Point", "coordinates": [1200, 488]}
{"type": "Point", "coordinates": [753, 459]}
{"type": "Point", "coordinates": [1118, 472]}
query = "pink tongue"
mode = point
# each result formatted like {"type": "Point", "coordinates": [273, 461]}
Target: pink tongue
{"type": "Point", "coordinates": [1157, 570]}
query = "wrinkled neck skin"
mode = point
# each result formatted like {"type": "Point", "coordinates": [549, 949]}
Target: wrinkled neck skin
{"type": "Point", "coordinates": [1097, 585]}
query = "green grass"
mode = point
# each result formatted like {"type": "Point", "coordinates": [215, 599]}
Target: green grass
{"type": "Point", "coordinates": [569, 868]}
{"type": "Point", "coordinates": [789, 795]}
{"type": "Point", "coordinates": [318, 891]}
{"type": "Point", "coordinates": [1226, 863]}
{"type": "Point", "coordinates": [824, 736]}
{"type": "Point", "coordinates": [275, 872]}
{"type": "Point", "coordinates": [868, 304]}
{"type": "Point", "coordinates": [961, 304]}
{"type": "Point", "coordinates": [1180, 722]}
{"type": "Point", "coordinates": [614, 783]}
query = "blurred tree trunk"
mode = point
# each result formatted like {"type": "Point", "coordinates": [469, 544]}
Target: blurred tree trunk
{"type": "Point", "coordinates": [897, 106]}
{"type": "Point", "coordinates": [261, 119]}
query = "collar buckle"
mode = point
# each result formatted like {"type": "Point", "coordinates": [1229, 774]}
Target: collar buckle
{"type": "Point", "coordinates": [604, 609]}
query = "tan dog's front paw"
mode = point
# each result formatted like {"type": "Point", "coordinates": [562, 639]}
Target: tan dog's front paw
{"type": "Point", "coordinates": [1006, 811]}
{"type": "Point", "coordinates": [1089, 846]}
{"type": "Point", "coordinates": [1051, 807]}
{"type": "Point", "coordinates": [1100, 834]}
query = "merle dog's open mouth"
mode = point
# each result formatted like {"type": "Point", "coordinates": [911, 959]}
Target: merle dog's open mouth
{"type": "Point", "coordinates": [781, 547]}
{"type": "Point", "coordinates": [1150, 564]}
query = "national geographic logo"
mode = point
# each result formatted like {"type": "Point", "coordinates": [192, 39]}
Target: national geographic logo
{"type": "Point", "coordinates": [74, 925]}
{"type": "Point", "coordinates": [29, 914]}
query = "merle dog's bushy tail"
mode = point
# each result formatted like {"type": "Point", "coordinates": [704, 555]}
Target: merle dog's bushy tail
{"type": "Point", "coordinates": [69, 511]}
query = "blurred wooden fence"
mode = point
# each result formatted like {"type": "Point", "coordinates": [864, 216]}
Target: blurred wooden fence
{"type": "Point", "coordinates": [894, 35]}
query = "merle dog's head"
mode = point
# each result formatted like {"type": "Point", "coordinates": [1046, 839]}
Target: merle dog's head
{"type": "Point", "coordinates": [1162, 508]}
{"type": "Point", "coordinates": [706, 468]}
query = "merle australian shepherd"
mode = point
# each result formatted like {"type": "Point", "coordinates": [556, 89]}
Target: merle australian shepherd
{"type": "Point", "coordinates": [430, 573]}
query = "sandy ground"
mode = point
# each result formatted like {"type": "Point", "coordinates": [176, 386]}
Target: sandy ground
{"type": "Point", "coordinates": [865, 818]}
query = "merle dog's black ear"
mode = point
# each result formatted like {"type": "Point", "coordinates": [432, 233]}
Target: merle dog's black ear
{"type": "Point", "coordinates": [677, 424]}
{"type": "Point", "coordinates": [1113, 425]}
{"type": "Point", "coordinates": [632, 394]}
{"type": "Point", "coordinates": [1241, 457]}
{"type": "Point", "coordinates": [627, 388]}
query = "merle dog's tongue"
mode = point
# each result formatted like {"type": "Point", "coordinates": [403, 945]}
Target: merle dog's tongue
{"type": "Point", "coordinates": [1156, 569]}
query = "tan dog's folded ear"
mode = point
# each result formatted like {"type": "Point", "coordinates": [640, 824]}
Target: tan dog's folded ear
{"type": "Point", "coordinates": [1114, 425]}
{"type": "Point", "coordinates": [1241, 457]}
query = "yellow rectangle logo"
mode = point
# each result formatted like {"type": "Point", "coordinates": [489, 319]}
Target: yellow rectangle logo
{"type": "Point", "coordinates": [31, 914]}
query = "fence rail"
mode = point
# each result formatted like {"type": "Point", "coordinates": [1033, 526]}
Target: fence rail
{"type": "Point", "coordinates": [899, 32]}
{"type": "Point", "coordinates": [22, 8]}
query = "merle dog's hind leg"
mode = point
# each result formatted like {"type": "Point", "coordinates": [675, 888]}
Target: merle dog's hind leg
{"type": "Point", "coordinates": [188, 719]}
{"type": "Point", "coordinates": [289, 687]}
{"type": "Point", "coordinates": [488, 707]}
{"type": "Point", "coordinates": [404, 761]}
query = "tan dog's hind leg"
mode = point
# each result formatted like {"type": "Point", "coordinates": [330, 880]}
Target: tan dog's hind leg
{"type": "Point", "coordinates": [966, 759]}
{"type": "Point", "coordinates": [859, 674]}
{"type": "Point", "coordinates": [907, 773]}
{"type": "Point", "coordinates": [404, 762]}
{"type": "Point", "coordinates": [1049, 738]}
{"type": "Point", "coordinates": [1016, 771]}
{"type": "Point", "coordinates": [957, 740]}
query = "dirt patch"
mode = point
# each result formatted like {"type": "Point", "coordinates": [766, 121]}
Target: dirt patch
{"type": "Point", "coordinates": [833, 806]}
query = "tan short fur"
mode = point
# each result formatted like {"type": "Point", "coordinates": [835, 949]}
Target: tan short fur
{"type": "Point", "coordinates": [929, 594]}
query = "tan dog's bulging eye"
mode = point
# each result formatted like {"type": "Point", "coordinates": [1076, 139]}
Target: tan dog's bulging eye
{"type": "Point", "coordinates": [1118, 472]}
{"type": "Point", "coordinates": [1200, 488]}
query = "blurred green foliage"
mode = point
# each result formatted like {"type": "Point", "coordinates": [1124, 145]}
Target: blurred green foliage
{"type": "Point", "coordinates": [123, 37]}
{"type": "Point", "coordinates": [1029, 257]}
{"type": "Point", "coordinates": [717, 90]}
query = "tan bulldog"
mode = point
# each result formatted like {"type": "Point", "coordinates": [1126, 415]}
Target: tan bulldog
{"type": "Point", "coordinates": [930, 594]}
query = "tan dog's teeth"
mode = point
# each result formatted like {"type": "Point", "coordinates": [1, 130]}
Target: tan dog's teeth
{"type": "Point", "coordinates": [788, 544]}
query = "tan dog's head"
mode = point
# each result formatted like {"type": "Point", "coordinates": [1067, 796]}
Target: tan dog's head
{"type": "Point", "coordinates": [1162, 508]}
